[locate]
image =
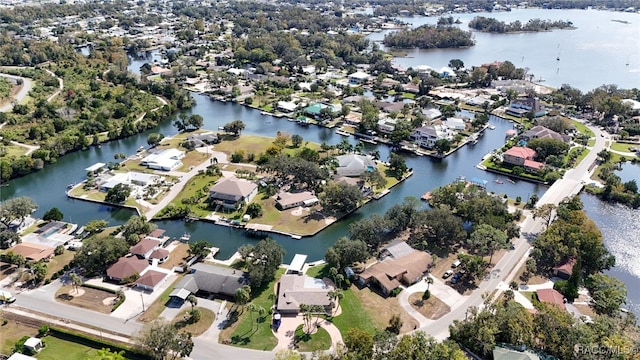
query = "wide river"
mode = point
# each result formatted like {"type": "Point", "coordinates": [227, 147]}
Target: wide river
{"type": "Point", "coordinates": [47, 187]}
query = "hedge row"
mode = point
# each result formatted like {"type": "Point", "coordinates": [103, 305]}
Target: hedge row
{"type": "Point", "coordinates": [90, 341]}
{"type": "Point", "coordinates": [97, 287]}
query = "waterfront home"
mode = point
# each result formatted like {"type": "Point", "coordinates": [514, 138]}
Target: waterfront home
{"type": "Point", "coordinates": [145, 247]}
{"type": "Point", "coordinates": [287, 106]}
{"type": "Point", "coordinates": [520, 107]}
{"type": "Point", "coordinates": [522, 156]}
{"type": "Point", "coordinates": [126, 267]}
{"type": "Point", "coordinates": [455, 123]}
{"type": "Point", "coordinates": [354, 164]}
{"type": "Point", "coordinates": [297, 289]}
{"type": "Point", "coordinates": [401, 264]}
{"type": "Point", "coordinates": [387, 125]}
{"type": "Point", "coordinates": [210, 280]}
{"type": "Point", "coordinates": [203, 139]}
{"type": "Point", "coordinates": [128, 178]}
{"type": "Point", "coordinates": [287, 200]}
{"type": "Point", "coordinates": [551, 296]}
{"type": "Point", "coordinates": [232, 193]}
{"type": "Point", "coordinates": [166, 160]}
{"type": "Point", "coordinates": [564, 270]}
{"type": "Point", "coordinates": [426, 136]}
{"type": "Point", "coordinates": [541, 132]}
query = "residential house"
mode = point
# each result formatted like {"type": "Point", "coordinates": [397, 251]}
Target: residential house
{"type": "Point", "coordinates": [426, 136]}
{"type": "Point", "coordinates": [354, 165]}
{"type": "Point", "coordinates": [232, 193]}
{"type": "Point", "coordinates": [390, 107]}
{"type": "Point", "coordinates": [509, 353]}
{"type": "Point", "coordinates": [287, 200]}
{"type": "Point", "coordinates": [145, 247]}
{"type": "Point", "coordinates": [33, 252]}
{"type": "Point", "coordinates": [564, 270]}
{"type": "Point", "coordinates": [522, 156]}
{"type": "Point", "coordinates": [551, 296]}
{"type": "Point", "coordinates": [203, 139]}
{"type": "Point", "coordinates": [287, 106]}
{"type": "Point", "coordinates": [387, 125]}
{"type": "Point", "coordinates": [455, 123]}
{"type": "Point", "coordinates": [520, 107]}
{"type": "Point", "coordinates": [128, 178]}
{"type": "Point", "coordinates": [296, 289]}
{"type": "Point", "coordinates": [166, 160]}
{"type": "Point", "coordinates": [210, 280]}
{"type": "Point", "coordinates": [358, 78]}
{"type": "Point", "coordinates": [402, 264]}
{"type": "Point", "coordinates": [431, 114]}
{"type": "Point", "coordinates": [126, 267]}
{"type": "Point", "coordinates": [159, 254]}
{"type": "Point", "coordinates": [150, 279]}
{"type": "Point", "coordinates": [541, 132]}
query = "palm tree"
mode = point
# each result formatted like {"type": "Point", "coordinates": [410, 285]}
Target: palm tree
{"type": "Point", "coordinates": [76, 280]}
{"type": "Point", "coordinates": [429, 281]}
{"type": "Point", "coordinates": [242, 295]}
{"type": "Point", "coordinates": [252, 308]}
{"type": "Point", "coordinates": [336, 295]}
{"type": "Point", "coordinates": [193, 300]}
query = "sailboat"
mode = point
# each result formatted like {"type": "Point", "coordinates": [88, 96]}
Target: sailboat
{"type": "Point", "coordinates": [559, 50]}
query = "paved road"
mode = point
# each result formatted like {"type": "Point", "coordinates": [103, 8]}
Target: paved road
{"type": "Point", "coordinates": [505, 269]}
{"type": "Point", "coordinates": [24, 91]}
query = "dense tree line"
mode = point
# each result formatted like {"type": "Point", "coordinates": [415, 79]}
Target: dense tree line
{"type": "Point", "coordinates": [493, 25]}
{"type": "Point", "coordinates": [430, 37]}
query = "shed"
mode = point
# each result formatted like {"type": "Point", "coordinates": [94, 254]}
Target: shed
{"type": "Point", "coordinates": [33, 344]}
{"type": "Point", "coordinates": [95, 167]}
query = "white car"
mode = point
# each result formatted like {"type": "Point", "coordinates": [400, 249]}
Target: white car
{"type": "Point", "coordinates": [447, 274]}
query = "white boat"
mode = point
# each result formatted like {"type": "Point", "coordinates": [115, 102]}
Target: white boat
{"type": "Point", "coordinates": [70, 186]}
{"type": "Point", "coordinates": [264, 113]}
{"type": "Point", "coordinates": [186, 237]}
{"type": "Point", "coordinates": [492, 127]}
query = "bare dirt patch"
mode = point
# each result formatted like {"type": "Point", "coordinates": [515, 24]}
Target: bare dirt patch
{"type": "Point", "coordinates": [585, 310]}
{"type": "Point", "coordinates": [383, 308]}
{"type": "Point", "coordinates": [432, 308]}
{"type": "Point", "coordinates": [92, 299]}
{"type": "Point", "coordinates": [533, 280]}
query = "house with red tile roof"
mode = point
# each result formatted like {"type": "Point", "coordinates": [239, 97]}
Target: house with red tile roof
{"type": "Point", "coordinates": [150, 279]}
{"type": "Point", "coordinates": [522, 156]}
{"type": "Point", "coordinates": [126, 267]}
{"type": "Point", "coordinates": [145, 247]}
{"type": "Point", "coordinates": [551, 296]}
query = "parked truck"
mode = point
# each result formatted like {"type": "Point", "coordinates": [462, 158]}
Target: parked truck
{"type": "Point", "coordinates": [6, 297]}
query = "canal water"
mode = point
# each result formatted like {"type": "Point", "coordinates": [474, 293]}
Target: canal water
{"type": "Point", "coordinates": [47, 187]}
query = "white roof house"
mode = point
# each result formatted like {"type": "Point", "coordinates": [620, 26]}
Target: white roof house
{"type": "Point", "coordinates": [455, 123]}
{"type": "Point", "coordinates": [287, 106]}
{"type": "Point", "coordinates": [129, 178]}
{"type": "Point", "coordinates": [354, 165]}
{"type": "Point", "coordinates": [358, 77]}
{"type": "Point", "coordinates": [432, 113]}
{"type": "Point", "coordinates": [166, 160]}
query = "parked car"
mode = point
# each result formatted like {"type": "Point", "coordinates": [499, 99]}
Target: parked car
{"type": "Point", "coordinates": [455, 264]}
{"type": "Point", "coordinates": [456, 278]}
{"type": "Point", "coordinates": [447, 274]}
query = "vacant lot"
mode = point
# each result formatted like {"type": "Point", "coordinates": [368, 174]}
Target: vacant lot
{"type": "Point", "coordinates": [12, 331]}
{"type": "Point", "coordinates": [86, 298]}
{"type": "Point", "coordinates": [432, 308]}
{"type": "Point", "coordinates": [381, 309]}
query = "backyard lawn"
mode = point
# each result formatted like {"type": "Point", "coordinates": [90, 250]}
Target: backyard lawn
{"type": "Point", "coordinates": [58, 262]}
{"type": "Point", "coordinates": [622, 147]}
{"type": "Point", "coordinates": [582, 128]}
{"type": "Point", "coordinates": [61, 349]}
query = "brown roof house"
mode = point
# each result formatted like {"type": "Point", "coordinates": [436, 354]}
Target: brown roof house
{"type": "Point", "coordinates": [287, 200]}
{"type": "Point", "coordinates": [551, 296]}
{"type": "Point", "coordinates": [33, 252]}
{"type": "Point", "coordinates": [126, 267]}
{"type": "Point", "coordinates": [541, 132]}
{"type": "Point", "coordinates": [145, 247]}
{"type": "Point", "coordinates": [399, 266]}
{"type": "Point", "coordinates": [150, 279]}
{"type": "Point", "coordinates": [232, 193]}
{"type": "Point", "coordinates": [564, 270]}
{"type": "Point", "coordinates": [296, 289]}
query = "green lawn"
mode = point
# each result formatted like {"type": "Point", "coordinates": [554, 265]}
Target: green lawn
{"type": "Point", "coordinates": [12, 151]}
{"type": "Point", "coordinates": [196, 186]}
{"type": "Point", "coordinates": [353, 314]}
{"type": "Point", "coordinates": [622, 147]}
{"type": "Point", "coordinates": [257, 334]}
{"type": "Point", "coordinates": [321, 340]}
{"type": "Point", "coordinates": [61, 349]}
{"type": "Point", "coordinates": [582, 128]}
